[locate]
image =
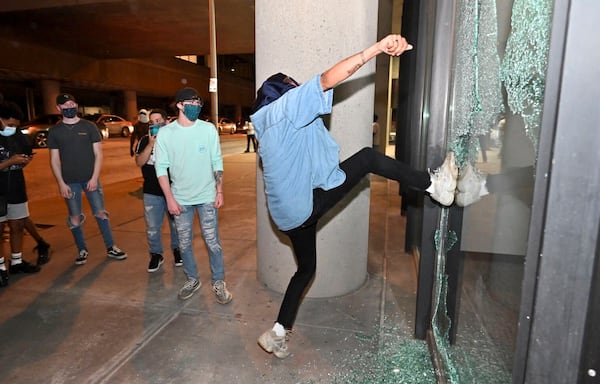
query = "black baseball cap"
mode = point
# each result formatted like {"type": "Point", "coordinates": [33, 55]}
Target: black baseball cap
{"type": "Point", "coordinates": [64, 97]}
{"type": "Point", "coordinates": [187, 93]}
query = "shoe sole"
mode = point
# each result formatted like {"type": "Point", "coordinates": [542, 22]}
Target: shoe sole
{"type": "Point", "coordinates": [117, 257]}
{"type": "Point", "coordinates": [80, 262]}
{"type": "Point", "coordinates": [225, 301]}
{"type": "Point", "coordinates": [178, 264]}
{"type": "Point", "coordinates": [190, 294]}
{"type": "Point", "coordinates": [13, 272]}
{"type": "Point", "coordinates": [264, 343]}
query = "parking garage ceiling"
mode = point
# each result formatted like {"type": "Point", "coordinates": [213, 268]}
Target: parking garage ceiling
{"type": "Point", "coordinates": [118, 29]}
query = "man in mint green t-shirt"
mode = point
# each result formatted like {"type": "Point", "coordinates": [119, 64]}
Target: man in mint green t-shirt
{"type": "Point", "coordinates": [188, 150]}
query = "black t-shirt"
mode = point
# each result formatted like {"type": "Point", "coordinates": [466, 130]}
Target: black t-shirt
{"type": "Point", "coordinates": [75, 144]}
{"type": "Point", "coordinates": [151, 184]}
{"type": "Point", "coordinates": [12, 179]}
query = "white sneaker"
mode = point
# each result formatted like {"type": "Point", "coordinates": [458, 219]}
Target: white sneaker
{"type": "Point", "coordinates": [220, 290]}
{"type": "Point", "coordinates": [270, 342]}
{"type": "Point", "coordinates": [470, 186]}
{"type": "Point", "coordinates": [188, 289]}
{"type": "Point", "coordinates": [443, 181]}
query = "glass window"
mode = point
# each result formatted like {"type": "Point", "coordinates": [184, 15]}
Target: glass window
{"type": "Point", "coordinates": [500, 60]}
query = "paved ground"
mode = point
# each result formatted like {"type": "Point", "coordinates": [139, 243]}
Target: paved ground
{"type": "Point", "coordinates": [113, 322]}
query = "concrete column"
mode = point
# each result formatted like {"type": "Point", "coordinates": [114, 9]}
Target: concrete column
{"type": "Point", "coordinates": [130, 107]}
{"type": "Point", "coordinates": [302, 38]}
{"type": "Point", "coordinates": [50, 89]}
{"type": "Point", "coordinates": [238, 113]}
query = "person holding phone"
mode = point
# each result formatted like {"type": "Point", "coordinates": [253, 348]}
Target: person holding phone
{"type": "Point", "coordinates": [15, 154]}
{"type": "Point", "coordinates": [155, 205]}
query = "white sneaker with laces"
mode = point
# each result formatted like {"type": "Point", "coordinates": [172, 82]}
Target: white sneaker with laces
{"type": "Point", "coordinates": [270, 342]}
{"type": "Point", "coordinates": [188, 289]}
{"type": "Point", "coordinates": [115, 253]}
{"type": "Point", "coordinates": [470, 186]}
{"type": "Point", "coordinates": [220, 290]}
{"type": "Point", "coordinates": [81, 257]}
{"type": "Point", "coordinates": [443, 181]}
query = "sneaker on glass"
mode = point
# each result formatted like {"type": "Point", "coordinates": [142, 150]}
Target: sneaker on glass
{"type": "Point", "coordinates": [82, 257]}
{"type": "Point", "coordinates": [115, 253]}
{"type": "Point", "coordinates": [220, 290]}
{"type": "Point", "coordinates": [443, 181]}
{"type": "Point", "coordinates": [43, 251]}
{"type": "Point", "coordinates": [156, 261]}
{"type": "Point", "coordinates": [188, 289]}
{"type": "Point", "coordinates": [3, 278]}
{"type": "Point", "coordinates": [177, 257]}
{"type": "Point", "coordinates": [270, 342]}
{"type": "Point", "coordinates": [23, 267]}
{"type": "Point", "coordinates": [469, 186]}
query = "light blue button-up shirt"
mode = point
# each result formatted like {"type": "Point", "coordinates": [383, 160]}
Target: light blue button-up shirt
{"type": "Point", "coordinates": [297, 151]}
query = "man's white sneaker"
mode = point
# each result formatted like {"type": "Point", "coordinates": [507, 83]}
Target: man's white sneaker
{"type": "Point", "coordinates": [188, 289]}
{"type": "Point", "coordinates": [443, 181]}
{"type": "Point", "coordinates": [470, 186]}
{"type": "Point", "coordinates": [270, 342]}
{"type": "Point", "coordinates": [220, 290]}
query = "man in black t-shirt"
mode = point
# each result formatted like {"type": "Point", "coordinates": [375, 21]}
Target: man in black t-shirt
{"type": "Point", "coordinates": [155, 205]}
{"type": "Point", "coordinates": [15, 153]}
{"type": "Point", "coordinates": [76, 159]}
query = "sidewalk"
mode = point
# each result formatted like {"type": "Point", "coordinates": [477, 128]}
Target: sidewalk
{"type": "Point", "coordinates": [113, 322]}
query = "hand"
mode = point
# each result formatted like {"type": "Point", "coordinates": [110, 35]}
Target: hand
{"type": "Point", "coordinates": [92, 184]}
{"type": "Point", "coordinates": [20, 159]}
{"type": "Point", "coordinates": [219, 200]}
{"type": "Point", "coordinates": [173, 207]}
{"type": "Point", "coordinates": [394, 45]}
{"type": "Point", "coordinates": [65, 191]}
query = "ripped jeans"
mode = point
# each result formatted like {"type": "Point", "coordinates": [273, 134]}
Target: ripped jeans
{"type": "Point", "coordinates": [209, 224]}
{"type": "Point", "coordinates": [96, 201]}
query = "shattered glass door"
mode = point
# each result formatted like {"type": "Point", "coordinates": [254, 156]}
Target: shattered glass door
{"type": "Point", "coordinates": [501, 52]}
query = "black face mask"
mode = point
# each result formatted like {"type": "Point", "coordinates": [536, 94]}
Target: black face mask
{"type": "Point", "coordinates": [69, 113]}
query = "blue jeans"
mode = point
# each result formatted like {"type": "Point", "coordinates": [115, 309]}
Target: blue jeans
{"type": "Point", "coordinates": [155, 210]}
{"type": "Point", "coordinates": [96, 201]}
{"type": "Point", "coordinates": [209, 224]}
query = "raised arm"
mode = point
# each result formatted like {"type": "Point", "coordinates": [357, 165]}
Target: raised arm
{"type": "Point", "coordinates": [393, 45]}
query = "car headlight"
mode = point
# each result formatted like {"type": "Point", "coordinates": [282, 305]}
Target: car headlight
{"type": "Point", "coordinates": [25, 131]}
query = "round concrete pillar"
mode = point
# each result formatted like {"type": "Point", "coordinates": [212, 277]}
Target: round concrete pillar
{"type": "Point", "coordinates": [131, 110]}
{"type": "Point", "coordinates": [50, 89]}
{"type": "Point", "coordinates": [303, 38]}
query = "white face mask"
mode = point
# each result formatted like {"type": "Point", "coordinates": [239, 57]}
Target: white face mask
{"type": "Point", "coordinates": [8, 131]}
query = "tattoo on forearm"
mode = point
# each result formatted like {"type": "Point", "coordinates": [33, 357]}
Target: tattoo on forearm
{"type": "Point", "coordinates": [219, 177]}
{"type": "Point", "coordinates": [356, 66]}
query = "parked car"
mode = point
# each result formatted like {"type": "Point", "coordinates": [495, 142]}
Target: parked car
{"type": "Point", "coordinates": [226, 126]}
{"type": "Point", "coordinates": [113, 125]}
{"type": "Point", "coordinates": [36, 130]}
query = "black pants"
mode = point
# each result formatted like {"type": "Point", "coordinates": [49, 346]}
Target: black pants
{"type": "Point", "coordinates": [304, 238]}
{"type": "Point", "coordinates": [250, 138]}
